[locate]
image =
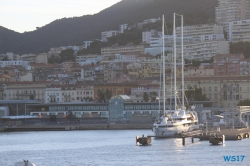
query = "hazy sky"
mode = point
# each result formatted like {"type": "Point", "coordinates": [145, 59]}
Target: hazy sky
{"type": "Point", "coordinates": [26, 15]}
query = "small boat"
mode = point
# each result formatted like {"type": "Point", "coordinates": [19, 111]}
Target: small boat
{"type": "Point", "coordinates": [24, 163]}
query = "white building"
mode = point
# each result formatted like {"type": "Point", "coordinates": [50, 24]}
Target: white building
{"type": "Point", "coordinates": [203, 50]}
{"type": "Point", "coordinates": [197, 31]}
{"type": "Point", "coordinates": [238, 31]}
{"type": "Point", "coordinates": [81, 59]}
{"type": "Point", "coordinates": [40, 58]}
{"type": "Point", "coordinates": [25, 64]}
{"type": "Point", "coordinates": [156, 44]}
{"type": "Point", "coordinates": [147, 35]}
{"type": "Point", "coordinates": [69, 94]}
{"type": "Point", "coordinates": [11, 56]}
{"type": "Point", "coordinates": [107, 34]}
{"type": "Point", "coordinates": [212, 37]}
{"type": "Point", "coordinates": [86, 44]}
{"type": "Point", "coordinates": [123, 27]}
{"type": "Point", "coordinates": [87, 74]}
{"type": "Point", "coordinates": [125, 58]}
{"type": "Point", "coordinates": [75, 48]}
{"type": "Point", "coordinates": [232, 10]}
{"type": "Point", "coordinates": [53, 95]}
{"type": "Point", "coordinates": [151, 20]}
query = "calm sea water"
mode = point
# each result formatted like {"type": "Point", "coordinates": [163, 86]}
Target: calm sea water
{"type": "Point", "coordinates": [113, 148]}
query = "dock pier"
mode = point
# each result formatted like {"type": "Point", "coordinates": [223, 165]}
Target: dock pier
{"type": "Point", "coordinates": [214, 138]}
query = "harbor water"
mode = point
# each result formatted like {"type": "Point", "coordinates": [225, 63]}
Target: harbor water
{"type": "Point", "coordinates": [112, 148]}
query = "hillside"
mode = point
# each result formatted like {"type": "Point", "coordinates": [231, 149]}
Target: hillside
{"type": "Point", "coordinates": [72, 31]}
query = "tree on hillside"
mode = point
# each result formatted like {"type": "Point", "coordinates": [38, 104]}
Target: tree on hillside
{"type": "Point", "coordinates": [153, 96]}
{"type": "Point", "coordinates": [195, 94]}
{"type": "Point", "coordinates": [133, 36]}
{"type": "Point", "coordinates": [53, 59]}
{"type": "Point", "coordinates": [240, 48]}
{"type": "Point", "coordinates": [244, 103]}
{"type": "Point", "coordinates": [145, 97]}
{"type": "Point", "coordinates": [100, 95]}
{"type": "Point", "coordinates": [67, 54]}
{"type": "Point", "coordinates": [108, 94]}
{"type": "Point", "coordinates": [5, 58]}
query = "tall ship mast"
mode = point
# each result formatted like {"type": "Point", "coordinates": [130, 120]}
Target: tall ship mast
{"type": "Point", "coordinates": [179, 119]}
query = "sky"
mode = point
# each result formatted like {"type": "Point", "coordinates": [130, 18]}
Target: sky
{"type": "Point", "coordinates": [26, 15]}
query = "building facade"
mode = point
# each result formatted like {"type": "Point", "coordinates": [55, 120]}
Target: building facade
{"type": "Point", "coordinates": [238, 31]}
{"type": "Point", "coordinates": [197, 31]}
{"type": "Point", "coordinates": [232, 10]}
{"type": "Point", "coordinates": [203, 50]}
{"type": "Point", "coordinates": [128, 49]}
{"type": "Point", "coordinates": [107, 34]}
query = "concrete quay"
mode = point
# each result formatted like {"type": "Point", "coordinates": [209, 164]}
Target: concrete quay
{"type": "Point", "coordinates": [79, 127]}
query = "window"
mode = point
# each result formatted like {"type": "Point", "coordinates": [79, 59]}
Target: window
{"type": "Point", "coordinates": [215, 88]}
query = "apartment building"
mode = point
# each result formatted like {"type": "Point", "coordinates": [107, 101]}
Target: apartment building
{"type": "Point", "coordinates": [147, 35]}
{"type": "Point", "coordinates": [107, 34]}
{"type": "Point", "coordinates": [40, 58]}
{"type": "Point", "coordinates": [83, 58]}
{"type": "Point", "coordinates": [68, 93]}
{"type": "Point", "coordinates": [156, 44]}
{"type": "Point", "coordinates": [202, 70]}
{"type": "Point", "coordinates": [223, 91]}
{"type": "Point", "coordinates": [128, 49]}
{"type": "Point", "coordinates": [123, 27]}
{"type": "Point", "coordinates": [203, 50]}
{"type": "Point", "coordinates": [11, 56]}
{"type": "Point", "coordinates": [227, 64]}
{"type": "Point", "coordinates": [232, 10]}
{"type": "Point", "coordinates": [25, 64]}
{"type": "Point", "coordinates": [238, 31]}
{"type": "Point", "coordinates": [86, 44]}
{"type": "Point", "coordinates": [25, 90]}
{"type": "Point", "coordinates": [197, 31]}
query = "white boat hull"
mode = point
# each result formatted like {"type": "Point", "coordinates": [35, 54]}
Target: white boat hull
{"type": "Point", "coordinates": [171, 131]}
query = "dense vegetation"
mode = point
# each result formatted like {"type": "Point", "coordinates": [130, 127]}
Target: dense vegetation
{"type": "Point", "coordinates": [65, 55]}
{"type": "Point", "coordinates": [241, 48]}
{"type": "Point", "coordinates": [195, 94]}
{"type": "Point", "coordinates": [244, 103]}
{"type": "Point", "coordinates": [72, 31]}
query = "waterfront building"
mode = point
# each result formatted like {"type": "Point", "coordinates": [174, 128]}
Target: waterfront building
{"type": "Point", "coordinates": [25, 90]}
{"type": "Point", "coordinates": [69, 93]}
{"type": "Point", "coordinates": [223, 91]}
{"type": "Point", "coordinates": [232, 10]}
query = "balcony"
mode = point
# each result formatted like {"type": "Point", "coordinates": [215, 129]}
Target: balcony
{"type": "Point", "coordinates": [26, 94]}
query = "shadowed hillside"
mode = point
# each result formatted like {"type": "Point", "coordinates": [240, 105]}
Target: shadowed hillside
{"type": "Point", "coordinates": [72, 31]}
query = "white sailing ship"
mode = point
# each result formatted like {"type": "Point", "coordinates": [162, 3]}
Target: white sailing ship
{"type": "Point", "coordinates": [180, 119]}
